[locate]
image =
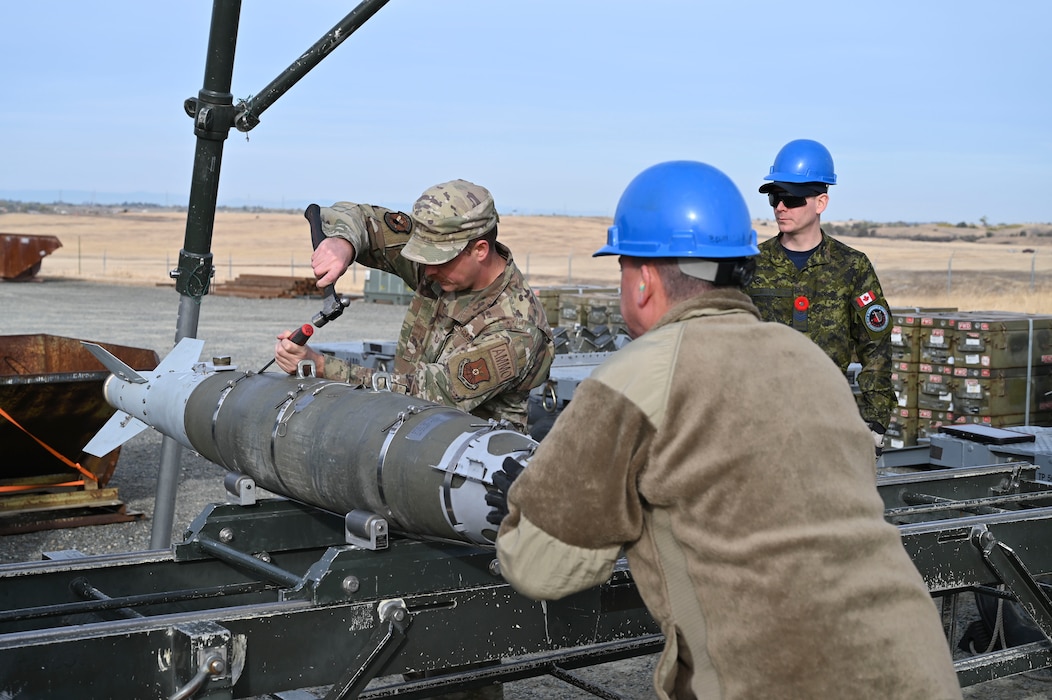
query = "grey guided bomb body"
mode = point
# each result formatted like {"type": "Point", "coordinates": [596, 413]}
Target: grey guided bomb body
{"type": "Point", "coordinates": [423, 466]}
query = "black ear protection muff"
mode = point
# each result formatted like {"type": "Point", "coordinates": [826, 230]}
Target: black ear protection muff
{"type": "Point", "coordinates": [736, 272]}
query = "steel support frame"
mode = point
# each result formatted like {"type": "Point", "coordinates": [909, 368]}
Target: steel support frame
{"type": "Point", "coordinates": [972, 529]}
{"type": "Point", "coordinates": [269, 598]}
{"type": "Point", "coordinates": [297, 616]}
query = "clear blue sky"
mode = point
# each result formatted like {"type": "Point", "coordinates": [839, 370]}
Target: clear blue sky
{"type": "Point", "coordinates": [933, 110]}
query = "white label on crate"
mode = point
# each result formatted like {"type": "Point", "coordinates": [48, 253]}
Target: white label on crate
{"type": "Point", "coordinates": [936, 337]}
{"type": "Point", "coordinates": [896, 336]}
{"type": "Point", "coordinates": [971, 359]}
{"type": "Point", "coordinates": [903, 400]}
{"type": "Point", "coordinates": [946, 397]}
{"type": "Point", "coordinates": [972, 387]}
{"type": "Point", "coordinates": [973, 341]}
{"type": "Point", "coordinates": [985, 361]}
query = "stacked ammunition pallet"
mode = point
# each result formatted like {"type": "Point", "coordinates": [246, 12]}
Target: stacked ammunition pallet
{"type": "Point", "coordinates": [589, 321]}
{"type": "Point", "coordinates": [574, 299]}
{"type": "Point", "coordinates": [953, 367]}
{"type": "Point", "coordinates": [584, 318]}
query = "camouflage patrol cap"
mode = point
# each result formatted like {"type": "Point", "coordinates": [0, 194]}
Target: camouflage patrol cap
{"type": "Point", "coordinates": [445, 218]}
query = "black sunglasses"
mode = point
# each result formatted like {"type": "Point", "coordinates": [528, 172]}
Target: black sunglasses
{"type": "Point", "coordinates": [789, 200]}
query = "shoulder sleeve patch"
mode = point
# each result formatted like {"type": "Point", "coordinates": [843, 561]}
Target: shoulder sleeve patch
{"type": "Point", "coordinates": [877, 318]}
{"type": "Point", "coordinates": [398, 222]}
{"type": "Point", "coordinates": [477, 370]}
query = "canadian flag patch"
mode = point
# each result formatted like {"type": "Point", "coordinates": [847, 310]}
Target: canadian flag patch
{"type": "Point", "coordinates": [866, 298]}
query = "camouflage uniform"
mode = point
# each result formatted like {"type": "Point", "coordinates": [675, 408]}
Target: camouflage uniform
{"type": "Point", "coordinates": [836, 300]}
{"type": "Point", "coordinates": [481, 351]}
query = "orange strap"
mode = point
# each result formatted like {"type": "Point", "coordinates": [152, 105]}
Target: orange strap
{"type": "Point", "coordinates": [71, 465]}
{"type": "Point", "coordinates": [33, 487]}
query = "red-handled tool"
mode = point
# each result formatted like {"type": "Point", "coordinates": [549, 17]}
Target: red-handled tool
{"type": "Point", "coordinates": [302, 334]}
{"type": "Point", "coordinates": [299, 338]}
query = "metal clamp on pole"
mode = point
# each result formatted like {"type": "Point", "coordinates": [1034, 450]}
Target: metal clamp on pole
{"type": "Point", "coordinates": [366, 530]}
{"type": "Point", "coordinates": [194, 274]}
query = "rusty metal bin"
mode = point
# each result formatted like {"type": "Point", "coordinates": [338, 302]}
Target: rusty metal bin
{"type": "Point", "coordinates": [20, 254]}
{"type": "Point", "coordinates": [52, 387]}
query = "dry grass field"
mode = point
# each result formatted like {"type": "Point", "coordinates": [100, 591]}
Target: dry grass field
{"type": "Point", "coordinates": [1006, 268]}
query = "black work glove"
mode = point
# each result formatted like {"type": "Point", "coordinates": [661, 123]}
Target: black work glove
{"type": "Point", "coordinates": [503, 480]}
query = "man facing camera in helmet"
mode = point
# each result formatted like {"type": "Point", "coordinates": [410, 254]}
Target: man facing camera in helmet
{"type": "Point", "coordinates": [725, 457]}
{"type": "Point", "coordinates": [808, 280]}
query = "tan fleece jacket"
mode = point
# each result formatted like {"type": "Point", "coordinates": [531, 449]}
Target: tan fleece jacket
{"type": "Point", "coordinates": [728, 457]}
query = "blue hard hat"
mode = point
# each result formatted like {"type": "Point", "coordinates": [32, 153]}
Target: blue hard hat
{"type": "Point", "coordinates": [681, 209]}
{"type": "Point", "coordinates": [803, 160]}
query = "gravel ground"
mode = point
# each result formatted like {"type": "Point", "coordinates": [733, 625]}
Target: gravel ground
{"type": "Point", "coordinates": [245, 329]}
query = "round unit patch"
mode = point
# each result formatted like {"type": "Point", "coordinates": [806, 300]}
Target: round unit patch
{"type": "Point", "coordinates": [877, 318]}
